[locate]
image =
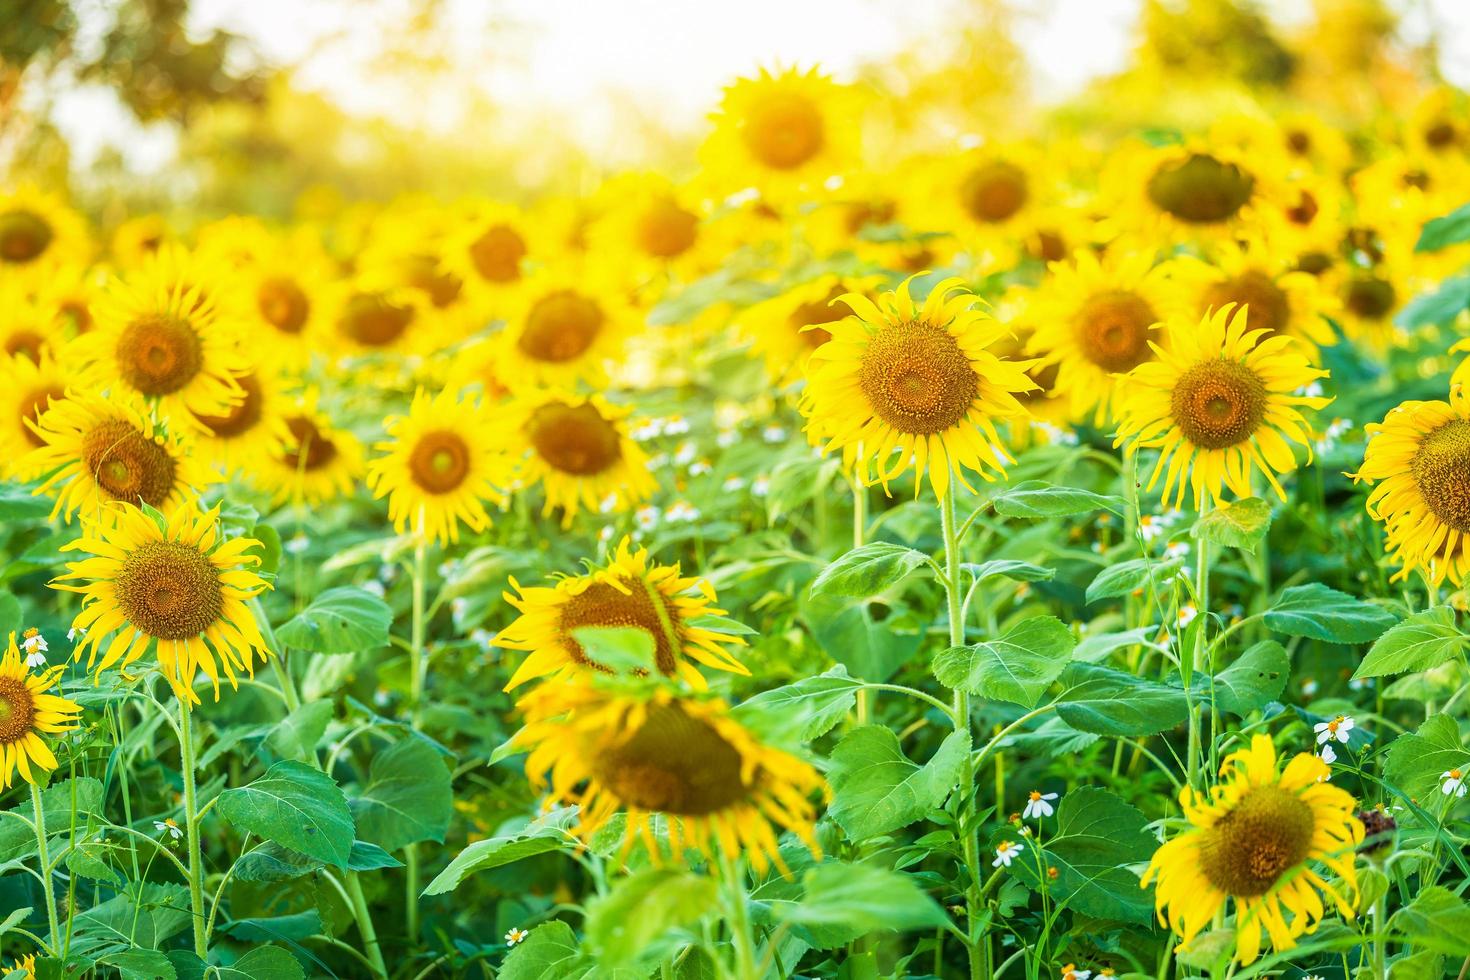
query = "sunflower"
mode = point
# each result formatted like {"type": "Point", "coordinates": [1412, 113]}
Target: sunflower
{"type": "Point", "coordinates": [440, 467]}
{"type": "Point", "coordinates": [786, 328]}
{"type": "Point", "coordinates": [372, 313]}
{"type": "Point", "coordinates": [1418, 456]}
{"type": "Point", "coordinates": [1218, 403]}
{"type": "Point", "coordinates": [685, 760]}
{"type": "Point", "coordinates": [159, 334]}
{"type": "Point", "coordinates": [319, 462]}
{"type": "Point", "coordinates": [564, 327]}
{"type": "Point", "coordinates": [1255, 839]}
{"type": "Point", "coordinates": [1205, 189]}
{"type": "Point", "coordinates": [174, 584]}
{"type": "Point", "coordinates": [629, 590]}
{"type": "Point", "coordinates": [33, 324]}
{"type": "Point", "coordinates": [98, 450]}
{"type": "Point", "coordinates": [26, 713]}
{"type": "Point", "coordinates": [990, 195]}
{"type": "Point", "coordinates": [282, 298]}
{"type": "Point", "coordinates": [138, 239]}
{"type": "Point", "coordinates": [655, 226]}
{"type": "Point", "coordinates": [1093, 317]}
{"type": "Point", "coordinates": [490, 247]}
{"type": "Point", "coordinates": [26, 966]}
{"type": "Point", "coordinates": [578, 449]}
{"type": "Point", "coordinates": [252, 430]}
{"type": "Point", "coordinates": [405, 251]}
{"type": "Point", "coordinates": [39, 232]}
{"type": "Point", "coordinates": [1306, 222]}
{"type": "Point", "coordinates": [781, 133]}
{"type": "Point", "coordinates": [31, 388]}
{"type": "Point", "coordinates": [914, 385]}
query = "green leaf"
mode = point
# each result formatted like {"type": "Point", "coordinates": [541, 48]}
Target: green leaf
{"type": "Point", "coordinates": [862, 898]}
{"type": "Point", "coordinates": [15, 918]}
{"type": "Point", "coordinates": [271, 862]}
{"type": "Point", "coordinates": [1096, 836]}
{"type": "Point", "coordinates": [261, 963]}
{"type": "Point", "coordinates": [1019, 571]}
{"type": "Point", "coordinates": [294, 927]}
{"type": "Point", "coordinates": [141, 964]}
{"type": "Point", "coordinates": [876, 789]}
{"type": "Point", "coordinates": [1417, 760]}
{"type": "Point", "coordinates": [297, 807]}
{"type": "Point", "coordinates": [621, 649]}
{"type": "Point", "coordinates": [1257, 678]}
{"type": "Point", "coordinates": [1110, 702]}
{"type": "Point", "coordinates": [1241, 524]}
{"type": "Point", "coordinates": [1037, 498]}
{"type": "Point", "coordinates": [9, 617]}
{"type": "Point", "coordinates": [296, 736]}
{"type": "Point", "coordinates": [408, 797]}
{"type": "Point", "coordinates": [871, 639]}
{"type": "Point", "coordinates": [1131, 576]}
{"type": "Point", "coordinates": [269, 550]}
{"type": "Point", "coordinates": [18, 840]}
{"type": "Point", "coordinates": [495, 852]}
{"type": "Point", "coordinates": [1444, 231]}
{"type": "Point", "coordinates": [1438, 306]}
{"type": "Point", "coordinates": [1017, 666]}
{"type": "Point", "coordinates": [1094, 649]}
{"type": "Point", "coordinates": [639, 919]}
{"type": "Point", "coordinates": [341, 620]}
{"type": "Point", "coordinates": [1436, 919]}
{"type": "Point", "coordinates": [1422, 641]}
{"type": "Point", "coordinates": [18, 504]}
{"type": "Point", "coordinates": [370, 857]}
{"type": "Point", "coordinates": [802, 711]}
{"type": "Point", "coordinates": [869, 570]}
{"type": "Point", "coordinates": [550, 951]}
{"type": "Point", "coordinates": [1324, 613]}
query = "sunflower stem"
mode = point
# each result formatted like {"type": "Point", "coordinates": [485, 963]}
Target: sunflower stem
{"type": "Point", "coordinates": [365, 927]}
{"type": "Point", "coordinates": [191, 824]}
{"type": "Point", "coordinates": [1187, 665]}
{"type": "Point", "coordinates": [859, 535]}
{"type": "Point", "coordinates": [416, 694]}
{"type": "Point", "coordinates": [742, 939]}
{"type": "Point", "coordinates": [52, 918]}
{"type": "Point", "coordinates": [1380, 936]}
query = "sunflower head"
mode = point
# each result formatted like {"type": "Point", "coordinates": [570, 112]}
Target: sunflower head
{"type": "Point", "coordinates": [27, 712]}
{"type": "Point", "coordinates": [38, 231]}
{"type": "Point", "coordinates": [578, 449]}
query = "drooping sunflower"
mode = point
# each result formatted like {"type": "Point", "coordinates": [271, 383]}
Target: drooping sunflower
{"type": "Point", "coordinates": [441, 466]}
{"type": "Point", "coordinates": [565, 327]}
{"type": "Point", "coordinates": [1418, 456]}
{"type": "Point", "coordinates": [39, 232]}
{"type": "Point", "coordinates": [1255, 840]}
{"type": "Point", "coordinates": [174, 585]}
{"type": "Point", "coordinates": [320, 462]}
{"type": "Point", "coordinates": [96, 451]}
{"type": "Point", "coordinates": [629, 590]}
{"type": "Point", "coordinates": [685, 760]}
{"type": "Point", "coordinates": [781, 134]}
{"type": "Point", "coordinates": [252, 430]}
{"type": "Point", "coordinates": [1093, 318]}
{"type": "Point", "coordinates": [905, 384]}
{"type": "Point", "coordinates": [1218, 404]}
{"type": "Point", "coordinates": [158, 333]}
{"type": "Point", "coordinates": [578, 449]}
{"type": "Point", "coordinates": [785, 329]}
{"type": "Point", "coordinates": [27, 712]}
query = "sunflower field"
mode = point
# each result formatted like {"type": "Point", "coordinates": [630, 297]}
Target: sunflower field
{"type": "Point", "coordinates": [892, 536]}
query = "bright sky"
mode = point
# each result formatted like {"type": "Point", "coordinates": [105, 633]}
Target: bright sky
{"type": "Point", "coordinates": [581, 59]}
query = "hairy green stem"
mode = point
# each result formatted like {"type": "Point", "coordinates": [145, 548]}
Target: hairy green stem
{"type": "Point", "coordinates": [44, 859]}
{"type": "Point", "coordinates": [364, 918]}
{"type": "Point", "coordinates": [191, 824]}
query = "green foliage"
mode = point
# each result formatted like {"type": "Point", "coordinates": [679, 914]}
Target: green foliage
{"type": "Point", "coordinates": [876, 789]}
{"type": "Point", "coordinates": [1017, 666]}
{"type": "Point", "coordinates": [340, 620]}
{"type": "Point", "coordinates": [296, 806]}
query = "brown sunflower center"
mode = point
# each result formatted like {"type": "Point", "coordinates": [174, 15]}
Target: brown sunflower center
{"type": "Point", "coordinates": [673, 764]}
{"type": "Point", "coordinates": [1200, 189]}
{"type": "Point", "coordinates": [1269, 308]}
{"type": "Point", "coordinates": [816, 312]}
{"type": "Point", "coordinates": [17, 710]}
{"type": "Point", "coordinates": [77, 312]}
{"type": "Point", "coordinates": [497, 253]}
{"type": "Point", "coordinates": [25, 342]}
{"type": "Point", "coordinates": [916, 378]}
{"type": "Point", "coordinates": [169, 590]}
{"type": "Point", "coordinates": [994, 191]}
{"type": "Point", "coordinates": [1305, 210]}
{"type": "Point", "coordinates": [1112, 329]}
{"type": "Point", "coordinates": [158, 355]}
{"type": "Point", "coordinates": [1441, 469]}
{"type": "Point", "coordinates": [561, 326]}
{"type": "Point", "coordinates": [575, 439]}
{"type": "Point", "coordinates": [1370, 297]}
{"type": "Point", "coordinates": [311, 448]}
{"type": "Point", "coordinates": [1299, 141]}
{"type": "Point", "coordinates": [604, 604]}
{"type": "Point", "coordinates": [1048, 245]}
{"type": "Point", "coordinates": [238, 419]}
{"type": "Point", "coordinates": [32, 403]}
{"type": "Point", "coordinates": [424, 273]}
{"type": "Point", "coordinates": [1218, 403]}
{"type": "Point", "coordinates": [784, 130]}
{"type": "Point", "coordinates": [860, 214]}
{"type": "Point", "coordinates": [283, 304]}
{"type": "Point", "coordinates": [24, 236]}
{"type": "Point", "coordinates": [1440, 135]}
{"type": "Point", "coordinates": [440, 461]}
{"type": "Point", "coordinates": [1046, 382]}
{"type": "Point", "coordinates": [1313, 263]}
{"type": "Point", "coordinates": [665, 229]}
{"type": "Point", "coordinates": [128, 465]}
{"type": "Point", "coordinates": [1266, 833]}
{"type": "Point", "coordinates": [372, 321]}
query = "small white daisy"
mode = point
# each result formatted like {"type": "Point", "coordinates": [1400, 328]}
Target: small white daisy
{"type": "Point", "coordinates": [1070, 972]}
{"type": "Point", "coordinates": [1335, 730]}
{"type": "Point", "coordinates": [1005, 853]}
{"type": "Point", "coordinates": [760, 486]}
{"type": "Point", "coordinates": [1187, 613]}
{"type": "Point", "coordinates": [34, 644]}
{"type": "Point", "coordinates": [773, 433]}
{"type": "Point", "coordinates": [298, 544]}
{"type": "Point", "coordinates": [676, 425]}
{"type": "Point", "coordinates": [732, 484]}
{"type": "Point", "coordinates": [515, 936]}
{"type": "Point", "coordinates": [686, 453]}
{"type": "Point", "coordinates": [1038, 805]}
{"type": "Point", "coordinates": [75, 633]}
{"type": "Point", "coordinates": [646, 517]}
{"type": "Point", "coordinates": [168, 827]}
{"type": "Point", "coordinates": [700, 468]}
{"type": "Point", "coordinates": [1453, 782]}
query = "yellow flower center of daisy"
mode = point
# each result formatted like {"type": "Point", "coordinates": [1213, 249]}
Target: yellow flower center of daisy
{"type": "Point", "coordinates": [169, 590]}
{"type": "Point", "coordinates": [311, 447]}
{"type": "Point", "coordinates": [440, 461]}
{"type": "Point", "coordinates": [126, 464]}
{"type": "Point", "coordinates": [24, 236]}
{"type": "Point", "coordinates": [1441, 469]}
{"type": "Point", "coordinates": [604, 604]}
{"type": "Point", "coordinates": [17, 709]}
{"type": "Point", "coordinates": [665, 229]}
{"type": "Point", "coordinates": [1218, 404]}
{"type": "Point", "coordinates": [497, 253]}
{"type": "Point", "coordinates": [575, 439]}
{"type": "Point", "coordinates": [372, 321]}
{"type": "Point", "coordinates": [561, 326]}
{"type": "Point", "coordinates": [994, 191]}
{"type": "Point", "coordinates": [283, 304]}
{"type": "Point", "coordinates": [916, 378]}
{"type": "Point", "coordinates": [24, 342]}
{"type": "Point", "coordinates": [784, 130]}
{"type": "Point", "coordinates": [1268, 831]}
{"type": "Point", "coordinates": [1269, 308]}
{"type": "Point", "coordinates": [238, 419]}
{"type": "Point", "coordinates": [1112, 330]}
{"type": "Point", "coordinates": [424, 274]}
{"type": "Point", "coordinates": [1455, 774]}
{"type": "Point", "coordinates": [159, 355]}
{"type": "Point", "coordinates": [816, 312]}
{"type": "Point", "coordinates": [673, 764]}
{"type": "Point", "coordinates": [1370, 297]}
{"type": "Point", "coordinates": [1200, 189]}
